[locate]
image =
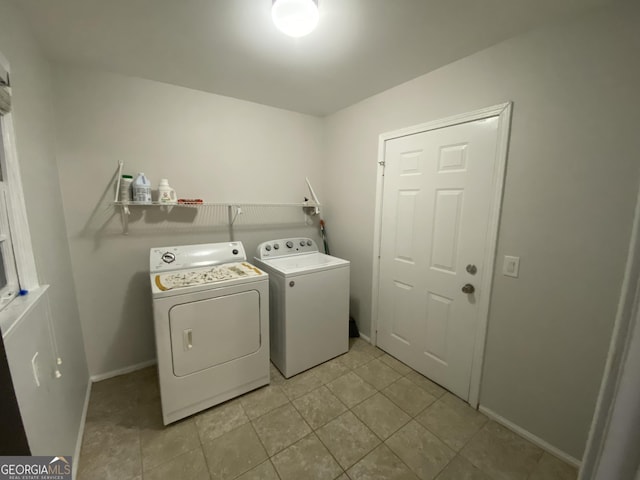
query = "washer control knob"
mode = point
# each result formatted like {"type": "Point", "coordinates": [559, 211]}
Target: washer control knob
{"type": "Point", "coordinates": [168, 257]}
{"type": "Point", "coordinates": [309, 243]}
{"type": "Point", "coordinates": [276, 246]}
{"type": "Point", "coordinates": [268, 248]}
{"type": "Point", "coordinates": [234, 251]}
{"type": "Point", "coordinates": [289, 244]}
{"type": "Point", "coordinates": [302, 243]}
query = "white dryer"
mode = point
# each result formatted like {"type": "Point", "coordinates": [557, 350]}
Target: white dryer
{"type": "Point", "coordinates": [309, 303]}
{"type": "Point", "coordinates": [211, 316]}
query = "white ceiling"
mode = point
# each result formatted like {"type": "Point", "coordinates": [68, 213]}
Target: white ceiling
{"type": "Point", "coordinates": [230, 47]}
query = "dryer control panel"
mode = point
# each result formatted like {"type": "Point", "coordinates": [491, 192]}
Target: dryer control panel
{"type": "Point", "coordinates": [165, 259]}
{"type": "Point", "coordinates": [285, 247]}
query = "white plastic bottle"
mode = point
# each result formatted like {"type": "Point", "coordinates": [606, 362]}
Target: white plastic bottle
{"type": "Point", "coordinates": [141, 189]}
{"type": "Point", "coordinates": [166, 194]}
{"type": "Point", "coordinates": [125, 188]}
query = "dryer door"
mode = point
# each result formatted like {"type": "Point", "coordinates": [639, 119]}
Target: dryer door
{"type": "Point", "coordinates": [209, 332]}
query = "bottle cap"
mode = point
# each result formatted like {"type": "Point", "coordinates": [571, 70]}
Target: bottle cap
{"type": "Point", "coordinates": [164, 181]}
{"type": "Point", "coordinates": [127, 176]}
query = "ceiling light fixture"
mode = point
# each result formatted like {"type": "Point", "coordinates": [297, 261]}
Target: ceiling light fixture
{"type": "Point", "coordinates": [295, 18]}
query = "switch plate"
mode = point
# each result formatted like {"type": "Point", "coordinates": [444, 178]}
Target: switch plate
{"type": "Point", "coordinates": [511, 266]}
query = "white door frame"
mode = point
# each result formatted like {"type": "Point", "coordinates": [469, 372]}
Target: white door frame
{"type": "Point", "coordinates": [613, 442]}
{"type": "Point", "coordinates": [503, 112]}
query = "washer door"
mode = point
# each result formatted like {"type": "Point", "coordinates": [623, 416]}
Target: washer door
{"type": "Point", "coordinates": [209, 332]}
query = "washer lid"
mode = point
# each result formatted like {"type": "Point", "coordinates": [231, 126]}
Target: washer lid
{"type": "Point", "coordinates": [297, 264]}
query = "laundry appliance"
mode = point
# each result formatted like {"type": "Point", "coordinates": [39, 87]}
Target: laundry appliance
{"type": "Point", "coordinates": [211, 317]}
{"type": "Point", "coordinates": [308, 303]}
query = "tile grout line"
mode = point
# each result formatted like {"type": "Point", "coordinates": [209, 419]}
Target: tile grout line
{"type": "Point", "coordinates": [258, 436]}
{"type": "Point", "coordinates": [269, 457]}
{"type": "Point", "coordinates": [330, 420]}
{"type": "Point", "coordinates": [368, 428]}
{"type": "Point", "coordinates": [330, 453]}
{"type": "Point", "coordinates": [537, 465]}
{"type": "Point", "coordinates": [252, 420]}
{"type": "Point", "coordinates": [273, 465]}
{"type": "Point", "coordinates": [382, 441]}
{"type": "Point", "coordinates": [206, 462]}
{"type": "Point", "coordinates": [437, 399]}
{"type": "Point", "coordinates": [457, 452]}
{"type": "Point", "coordinates": [313, 431]}
{"type": "Point", "coordinates": [411, 417]}
{"type": "Point", "coordinates": [399, 406]}
{"type": "Point", "coordinates": [468, 442]}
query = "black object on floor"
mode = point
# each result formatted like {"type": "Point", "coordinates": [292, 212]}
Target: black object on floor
{"type": "Point", "coordinates": [353, 328]}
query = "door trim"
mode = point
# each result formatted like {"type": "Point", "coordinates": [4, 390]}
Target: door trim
{"type": "Point", "coordinates": [610, 442]}
{"type": "Point", "coordinates": [503, 112]}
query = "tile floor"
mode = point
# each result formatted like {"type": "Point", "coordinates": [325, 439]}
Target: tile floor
{"type": "Point", "coordinates": [361, 416]}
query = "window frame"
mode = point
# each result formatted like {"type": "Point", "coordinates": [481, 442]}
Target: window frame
{"type": "Point", "coordinates": [9, 291]}
{"type": "Point", "coordinates": [15, 245]}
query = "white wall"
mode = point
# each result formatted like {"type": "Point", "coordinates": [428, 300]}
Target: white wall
{"type": "Point", "coordinates": [572, 176]}
{"type": "Point", "coordinates": [208, 146]}
{"type": "Point", "coordinates": [33, 121]}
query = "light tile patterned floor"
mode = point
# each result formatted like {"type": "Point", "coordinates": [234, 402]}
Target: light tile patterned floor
{"type": "Point", "coordinates": [361, 416]}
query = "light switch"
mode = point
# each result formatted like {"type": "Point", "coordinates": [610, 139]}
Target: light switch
{"type": "Point", "coordinates": [511, 266]}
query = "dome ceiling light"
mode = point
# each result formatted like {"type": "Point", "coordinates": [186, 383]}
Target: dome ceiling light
{"type": "Point", "coordinates": [295, 18]}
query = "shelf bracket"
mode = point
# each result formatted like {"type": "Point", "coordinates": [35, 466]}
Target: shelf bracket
{"type": "Point", "coordinates": [237, 212]}
{"type": "Point", "coordinates": [124, 216]}
{"type": "Point", "coordinates": [124, 209]}
{"type": "Point", "coordinates": [315, 198]}
{"type": "Point", "coordinates": [118, 177]}
{"type": "Point", "coordinates": [233, 212]}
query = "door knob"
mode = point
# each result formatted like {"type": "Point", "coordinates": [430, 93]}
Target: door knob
{"type": "Point", "coordinates": [468, 288]}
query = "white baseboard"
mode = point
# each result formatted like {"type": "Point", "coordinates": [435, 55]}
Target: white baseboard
{"type": "Point", "coordinates": [83, 420]}
{"type": "Point", "coordinates": [531, 437]}
{"type": "Point", "coordinates": [365, 338]}
{"type": "Point", "coordinates": [122, 371]}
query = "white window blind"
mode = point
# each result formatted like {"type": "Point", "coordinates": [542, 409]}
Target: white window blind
{"type": "Point", "coordinates": [8, 274]}
{"type": "Point", "coordinates": [17, 263]}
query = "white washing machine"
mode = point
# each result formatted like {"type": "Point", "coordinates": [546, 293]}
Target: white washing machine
{"type": "Point", "coordinates": [211, 316]}
{"type": "Point", "coordinates": [309, 303]}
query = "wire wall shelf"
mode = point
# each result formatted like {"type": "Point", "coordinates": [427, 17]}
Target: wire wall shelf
{"type": "Point", "coordinates": [210, 216]}
{"type": "Point", "coordinates": [204, 216]}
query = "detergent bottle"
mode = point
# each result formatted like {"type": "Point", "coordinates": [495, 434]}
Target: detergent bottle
{"type": "Point", "coordinates": [141, 187]}
{"type": "Point", "coordinates": [166, 194]}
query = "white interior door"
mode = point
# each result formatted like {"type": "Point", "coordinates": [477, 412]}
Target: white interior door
{"type": "Point", "coordinates": [439, 191]}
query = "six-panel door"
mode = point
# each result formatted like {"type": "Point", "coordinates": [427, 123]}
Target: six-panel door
{"type": "Point", "coordinates": [438, 192]}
